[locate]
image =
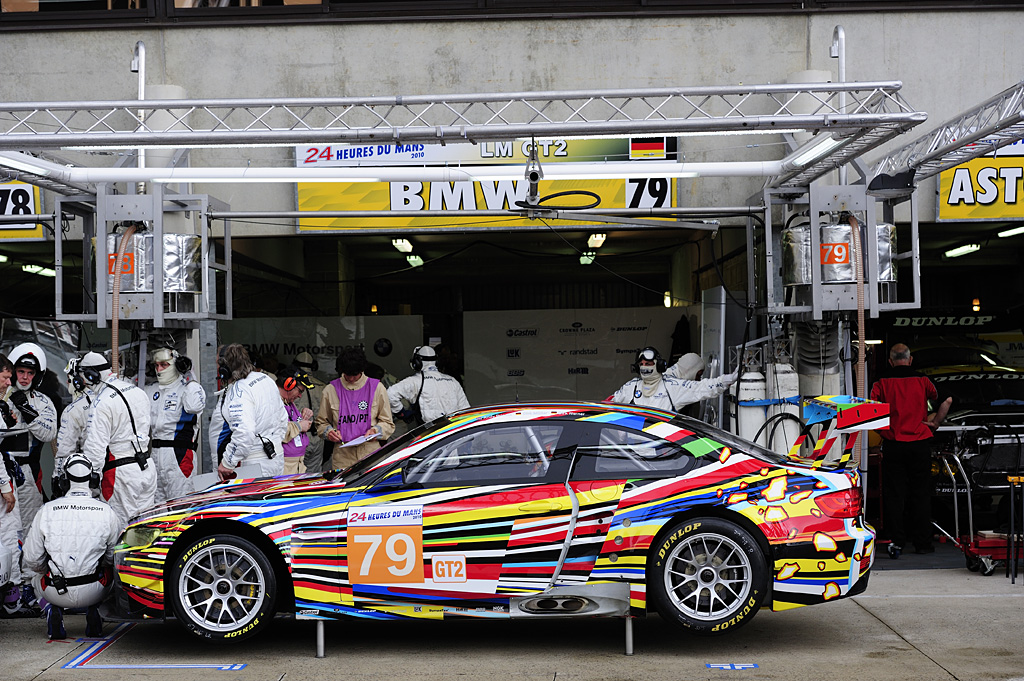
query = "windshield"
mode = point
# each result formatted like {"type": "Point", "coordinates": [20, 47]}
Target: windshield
{"type": "Point", "coordinates": [728, 439]}
{"type": "Point", "coordinates": [361, 467]}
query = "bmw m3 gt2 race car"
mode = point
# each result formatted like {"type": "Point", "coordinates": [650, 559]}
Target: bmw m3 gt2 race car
{"type": "Point", "coordinates": [515, 511]}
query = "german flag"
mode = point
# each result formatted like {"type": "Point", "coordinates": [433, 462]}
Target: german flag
{"type": "Point", "coordinates": [646, 147]}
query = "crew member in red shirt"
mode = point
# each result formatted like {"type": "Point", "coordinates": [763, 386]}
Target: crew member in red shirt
{"type": "Point", "coordinates": [906, 453]}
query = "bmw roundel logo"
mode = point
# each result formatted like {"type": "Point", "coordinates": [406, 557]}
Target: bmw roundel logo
{"type": "Point", "coordinates": [156, 396]}
{"type": "Point", "coordinates": [382, 347]}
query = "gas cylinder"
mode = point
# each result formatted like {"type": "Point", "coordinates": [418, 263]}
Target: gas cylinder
{"type": "Point", "coordinates": [750, 417]}
{"type": "Point", "coordinates": [783, 384]}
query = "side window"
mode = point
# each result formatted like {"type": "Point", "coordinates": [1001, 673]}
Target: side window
{"type": "Point", "coordinates": [524, 452]}
{"type": "Point", "coordinates": [618, 453]}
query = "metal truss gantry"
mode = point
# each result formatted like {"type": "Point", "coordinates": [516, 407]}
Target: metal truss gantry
{"type": "Point", "coordinates": [860, 116]}
{"type": "Point", "coordinates": [993, 124]}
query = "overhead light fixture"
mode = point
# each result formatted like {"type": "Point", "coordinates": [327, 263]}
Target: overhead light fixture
{"type": "Point", "coordinates": [41, 271]}
{"type": "Point", "coordinates": [874, 341]}
{"type": "Point", "coordinates": [962, 250]}
{"type": "Point", "coordinates": [816, 151]}
{"type": "Point", "coordinates": [596, 240]}
{"type": "Point", "coordinates": [587, 257]}
{"type": "Point", "coordinates": [1012, 232]}
{"type": "Point", "coordinates": [414, 260]}
{"type": "Point", "coordinates": [668, 299]}
{"type": "Point", "coordinates": [402, 245]}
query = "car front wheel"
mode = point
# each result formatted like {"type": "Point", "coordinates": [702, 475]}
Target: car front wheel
{"type": "Point", "coordinates": [708, 575]}
{"type": "Point", "coordinates": [224, 588]}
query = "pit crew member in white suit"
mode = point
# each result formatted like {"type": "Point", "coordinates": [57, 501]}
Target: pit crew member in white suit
{"type": "Point", "coordinates": [253, 416]}
{"type": "Point", "coordinates": [652, 388]}
{"type": "Point", "coordinates": [36, 424]}
{"type": "Point", "coordinates": [176, 401]}
{"type": "Point", "coordinates": [70, 542]}
{"type": "Point", "coordinates": [117, 439]}
{"type": "Point", "coordinates": [434, 393]}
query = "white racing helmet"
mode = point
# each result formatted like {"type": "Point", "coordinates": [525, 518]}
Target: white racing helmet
{"type": "Point", "coordinates": [423, 353]}
{"type": "Point", "coordinates": [170, 374]}
{"type": "Point", "coordinates": [31, 356]}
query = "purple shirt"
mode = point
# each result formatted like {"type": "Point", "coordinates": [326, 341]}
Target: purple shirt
{"type": "Point", "coordinates": [290, 448]}
{"type": "Point", "coordinates": [354, 408]}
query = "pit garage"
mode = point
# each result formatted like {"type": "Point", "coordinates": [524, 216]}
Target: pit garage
{"type": "Point", "coordinates": [542, 236]}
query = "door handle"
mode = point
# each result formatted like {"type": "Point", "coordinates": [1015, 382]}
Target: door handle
{"type": "Point", "coordinates": [540, 506]}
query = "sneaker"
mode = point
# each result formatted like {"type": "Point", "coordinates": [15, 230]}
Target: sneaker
{"type": "Point", "coordinates": [28, 596]}
{"type": "Point", "coordinates": [924, 549]}
{"type": "Point", "coordinates": [17, 609]}
{"type": "Point", "coordinates": [55, 623]}
{"type": "Point", "coordinates": [93, 623]}
{"type": "Point", "coordinates": [894, 551]}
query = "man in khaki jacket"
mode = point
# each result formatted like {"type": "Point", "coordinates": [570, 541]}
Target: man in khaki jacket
{"type": "Point", "coordinates": [352, 407]}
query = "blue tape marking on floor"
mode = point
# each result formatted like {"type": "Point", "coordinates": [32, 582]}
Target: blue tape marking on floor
{"type": "Point", "coordinates": [98, 645]}
{"type": "Point", "coordinates": [742, 665]}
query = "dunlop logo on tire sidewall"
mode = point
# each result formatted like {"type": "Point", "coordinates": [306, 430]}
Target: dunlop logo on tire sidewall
{"type": "Point", "coordinates": [673, 538]}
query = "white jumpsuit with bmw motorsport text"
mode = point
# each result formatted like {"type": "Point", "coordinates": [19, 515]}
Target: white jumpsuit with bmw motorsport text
{"type": "Point", "coordinates": [71, 536]}
{"type": "Point", "coordinates": [111, 443]}
{"type": "Point", "coordinates": [175, 411]}
{"type": "Point", "coordinates": [25, 443]}
{"type": "Point", "coordinates": [252, 411]}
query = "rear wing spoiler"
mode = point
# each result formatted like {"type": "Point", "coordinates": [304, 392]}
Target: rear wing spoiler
{"type": "Point", "coordinates": [844, 415]}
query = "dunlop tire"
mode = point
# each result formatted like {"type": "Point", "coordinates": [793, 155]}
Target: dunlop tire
{"type": "Point", "coordinates": [265, 604]}
{"type": "Point", "coordinates": [679, 533]}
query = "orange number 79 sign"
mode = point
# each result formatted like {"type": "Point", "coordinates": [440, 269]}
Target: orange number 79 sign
{"type": "Point", "coordinates": [835, 254]}
{"type": "Point", "coordinates": [385, 554]}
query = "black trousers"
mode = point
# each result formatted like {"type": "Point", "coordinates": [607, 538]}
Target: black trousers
{"type": "Point", "coordinates": [907, 492]}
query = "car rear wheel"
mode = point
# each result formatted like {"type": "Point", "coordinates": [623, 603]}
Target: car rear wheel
{"type": "Point", "coordinates": [224, 588]}
{"type": "Point", "coordinates": [708, 575]}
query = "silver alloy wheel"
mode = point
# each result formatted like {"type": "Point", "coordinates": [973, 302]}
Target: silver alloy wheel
{"type": "Point", "coordinates": [222, 587]}
{"type": "Point", "coordinates": [708, 576]}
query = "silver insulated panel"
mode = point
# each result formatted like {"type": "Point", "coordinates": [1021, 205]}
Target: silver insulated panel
{"type": "Point", "coordinates": [836, 243]}
{"type": "Point", "coordinates": [182, 260]}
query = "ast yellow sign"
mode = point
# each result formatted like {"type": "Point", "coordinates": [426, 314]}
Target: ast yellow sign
{"type": "Point", "coordinates": [983, 189]}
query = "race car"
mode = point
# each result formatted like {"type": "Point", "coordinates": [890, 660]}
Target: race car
{"type": "Point", "coordinates": [553, 510]}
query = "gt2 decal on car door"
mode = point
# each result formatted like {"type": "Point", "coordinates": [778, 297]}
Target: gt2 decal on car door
{"type": "Point", "coordinates": [386, 545]}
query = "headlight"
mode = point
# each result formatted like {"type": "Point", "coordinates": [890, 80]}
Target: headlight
{"type": "Point", "coordinates": [140, 536]}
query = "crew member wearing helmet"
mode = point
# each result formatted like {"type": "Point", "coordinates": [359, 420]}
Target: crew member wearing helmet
{"type": "Point", "coordinates": [176, 402]}
{"type": "Point", "coordinates": [71, 434]}
{"type": "Point", "coordinates": [117, 439]}
{"type": "Point", "coordinates": [310, 399]}
{"type": "Point", "coordinates": [249, 421]}
{"type": "Point", "coordinates": [654, 388]}
{"type": "Point", "coordinates": [429, 393]}
{"type": "Point", "coordinates": [35, 425]}
{"type": "Point", "coordinates": [70, 546]}
{"type": "Point", "coordinates": [10, 517]}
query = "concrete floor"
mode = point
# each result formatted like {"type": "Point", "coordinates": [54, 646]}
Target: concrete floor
{"type": "Point", "coordinates": [918, 624]}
